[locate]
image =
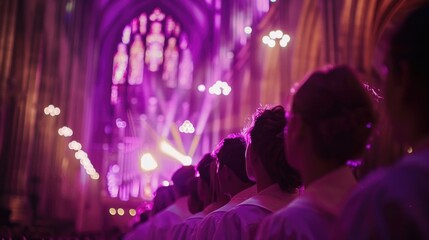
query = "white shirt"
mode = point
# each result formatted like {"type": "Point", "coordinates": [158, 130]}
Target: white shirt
{"type": "Point", "coordinates": [207, 227]}
{"type": "Point", "coordinates": [313, 214]}
{"type": "Point", "coordinates": [242, 221]}
{"type": "Point", "coordinates": [159, 226]}
{"type": "Point", "coordinates": [391, 203]}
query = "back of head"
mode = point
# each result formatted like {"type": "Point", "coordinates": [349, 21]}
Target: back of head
{"type": "Point", "coordinates": [410, 45]}
{"type": "Point", "coordinates": [164, 197]}
{"type": "Point", "coordinates": [338, 110]}
{"type": "Point", "coordinates": [195, 204]}
{"type": "Point", "coordinates": [267, 139]}
{"type": "Point", "coordinates": [231, 153]}
{"type": "Point", "coordinates": [181, 179]}
{"type": "Point", "coordinates": [144, 216]}
{"type": "Point", "coordinates": [203, 167]}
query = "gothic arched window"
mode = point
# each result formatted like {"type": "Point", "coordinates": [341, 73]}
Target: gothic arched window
{"type": "Point", "coordinates": [152, 43]}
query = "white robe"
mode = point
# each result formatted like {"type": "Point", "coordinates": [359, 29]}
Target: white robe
{"type": "Point", "coordinates": [312, 215]}
{"type": "Point", "coordinates": [207, 227]}
{"type": "Point", "coordinates": [158, 227]}
{"type": "Point", "coordinates": [242, 221]}
{"type": "Point", "coordinates": [185, 229]}
{"type": "Point", "coordinates": [391, 203]}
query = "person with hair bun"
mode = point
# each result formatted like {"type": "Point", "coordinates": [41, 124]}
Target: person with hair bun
{"type": "Point", "coordinates": [393, 203]}
{"type": "Point", "coordinates": [277, 183]}
{"type": "Point", "coordinates": [329, 123]}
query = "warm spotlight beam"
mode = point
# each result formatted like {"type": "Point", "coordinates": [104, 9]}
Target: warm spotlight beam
{"type": "Point", "coordinates": [172, 152]}
{"type": "Point", "coordinates": [194, 145]}
{"type": "Point", "coordinates": [206, 109]}
{"type": "Point", "coordinates": [176, 136]}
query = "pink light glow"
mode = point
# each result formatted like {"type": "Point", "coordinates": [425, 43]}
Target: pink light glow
{"type": "Point", "coordinates": [262, 5]}
{"type": "Point", "coordinates": [186, 68]}
{"type": "Point", "coordinates": [136, 61]}
{"type": "Point", "coordinates": [155, 44]}
{"type": "Point", "coordinates": [169, 74]}
{"type": "Point", "coordinates": [157, 15]}
{"type": "Point", "coordinates": [126, 35]}
{"type": "Point", "coordinates": [143, 23]}
{"type": "Point", "coordinates": [114, 95]}
{"type": "Point", "coordinates": [120, 61]}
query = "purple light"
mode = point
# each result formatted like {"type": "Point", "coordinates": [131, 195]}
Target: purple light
{"type": "Point", "coordinates": [126, 35]}
{"type": "Point", "coordinates": [115, 168]}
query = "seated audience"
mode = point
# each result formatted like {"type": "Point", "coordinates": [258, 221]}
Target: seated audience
{"type": "Point", "coordinates": [329, 123]}
{"type": "Point", "coordinates": [277, 183]}
{"type": "Point", "coordinates": [392, 203]}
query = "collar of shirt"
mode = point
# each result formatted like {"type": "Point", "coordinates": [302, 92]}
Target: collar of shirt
{"type": "Point", "coordinates": [330, 191]}
{"type": "Point", "coordinates": [180, 207]}
{"type": "Point", "coordinates": [211, 207]}
{"type": "Point", "coordinates": [238, 198]}
{"type": "Point", "coordinates": [271, 198]}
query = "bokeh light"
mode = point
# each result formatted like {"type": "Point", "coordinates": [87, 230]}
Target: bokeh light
{"type": "Point", "coordinates": [248, 30]}
{"type": "Point", "coordinates": [147, 162]}
{"type": "Point", "coordinates": [112, 211]}
{"type": "Point", "coordinates": [201, 87]}
{"type": "Point", "coordinates": [121, 211]}
{"type": "Point", "coordinates": [165, 183]}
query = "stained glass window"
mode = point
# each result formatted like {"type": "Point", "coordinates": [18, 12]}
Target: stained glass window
{"type": "Point", "coordinates": [151, 43]}
{"type": "Point", "coordinates": [151, 61]}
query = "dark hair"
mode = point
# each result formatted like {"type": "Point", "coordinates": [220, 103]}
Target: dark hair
{"type": "Point", "coordinates": [195, 204]}
{"type": "Point", "coordinates": [144, 216]}
{"type": "Point", "coordinates": [267, 139]}
{"type": "Point", "coordinates": [203, 167]}
{"type": "Point", "coordinates": [410, 44]}
{"type": "Point", "coordinates": [164, 197]}
{"type": "Point", "coordinates": [231, 152]}
{"type": "Point", "coordinates": [338, 110]}
{"type": "Point", "coordinates": [181, 178]}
